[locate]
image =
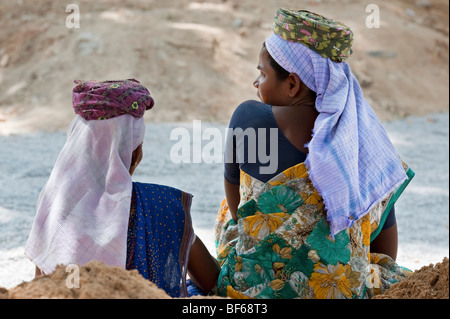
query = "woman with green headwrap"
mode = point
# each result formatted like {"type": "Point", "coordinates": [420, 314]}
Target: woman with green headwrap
{"type": "Point", "coordinates": [319, 225]}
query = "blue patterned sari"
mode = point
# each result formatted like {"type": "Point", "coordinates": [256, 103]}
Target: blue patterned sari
{"type": "Point", "coordinates": [160, 234]}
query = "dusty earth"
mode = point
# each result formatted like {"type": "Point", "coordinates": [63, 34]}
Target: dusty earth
{"type": "Point", "coordinates": [199, 58]}
{"type": "Point", "coordinates": [97, 281]}
{"type": "Point", "coordinates": [429, 282]}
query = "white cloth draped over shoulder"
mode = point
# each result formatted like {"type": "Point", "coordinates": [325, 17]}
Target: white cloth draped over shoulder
{"type": "Point", "coordinates": [83, 210]}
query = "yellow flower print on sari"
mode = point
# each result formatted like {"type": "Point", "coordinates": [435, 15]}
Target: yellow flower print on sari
{"type": "Point", "coordinates": [238, 265]}
{"type": "Point", "coordinates": [261, 225]}
{"type": "Point", "coordinates": [314, 199]}
{"type": "Point", "coordinates": [223, 217]}
{"type": "Point", "coordinates": [366, 230]}
{"type": "Point", "coordinates": [296, 172]}
{"type": "Point", "coordinates": [284, 252]}
{"type": "Point", "coordinates": [282, 247]}
{"type": "Point", "coordinates": [235, 294]}
{"type": "Point", "coordinates": [330, 282]}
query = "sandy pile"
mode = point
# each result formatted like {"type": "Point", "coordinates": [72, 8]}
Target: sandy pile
{"type": "Point", "coordinates": [98, 281]}
{"type": "Point", "coordinates": [429, 282]}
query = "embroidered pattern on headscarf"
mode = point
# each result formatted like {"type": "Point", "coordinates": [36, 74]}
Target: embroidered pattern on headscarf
{"type": "Point", "coordinates": [102, 100]}
{"type": "Point", "coordinates": [330, 38]}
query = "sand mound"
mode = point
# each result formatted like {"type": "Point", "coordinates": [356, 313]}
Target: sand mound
{"type": "Point", "coordinates": [98, 281]}
{"type": "Point", "coordinates": [429, 282]}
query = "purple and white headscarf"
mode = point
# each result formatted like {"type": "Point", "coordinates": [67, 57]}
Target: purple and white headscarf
{"type": "Point", "coordinates": [102, 100]}
{"type": "Point", "coordinates": [351, 159]}
{"type": "Point", "coordinates": [83, 210]}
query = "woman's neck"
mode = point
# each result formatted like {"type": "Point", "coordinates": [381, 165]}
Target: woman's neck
{"type": "Point", "coordinates": [307, 98]}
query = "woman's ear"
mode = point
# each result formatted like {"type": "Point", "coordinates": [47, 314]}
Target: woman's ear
{"type": "Point", "coordinates": [294, 85]}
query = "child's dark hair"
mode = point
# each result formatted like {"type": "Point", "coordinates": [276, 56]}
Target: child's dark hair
{"type": "Point", "coordinates": [282, 74]}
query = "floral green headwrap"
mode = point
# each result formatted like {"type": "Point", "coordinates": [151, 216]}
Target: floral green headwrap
{"type": "Point", "coordinates": [331, 39]}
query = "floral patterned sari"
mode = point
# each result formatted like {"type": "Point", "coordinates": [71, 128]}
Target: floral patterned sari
{"type": "Point", "coordinates": [281, 247]}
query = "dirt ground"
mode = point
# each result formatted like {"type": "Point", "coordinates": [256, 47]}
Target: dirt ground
{"type": "Point", "coordinates": [429, 282]}
{"type": "Point", "coordinates": [100, 282]}
{"type": "Point", "coordinates": [96, 281]}
{"type": "Point", "coordinates": [199, 58]}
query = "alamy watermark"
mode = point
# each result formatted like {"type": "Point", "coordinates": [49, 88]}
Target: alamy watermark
{"type": "Point", "coordinates": [211, 145]}
{"type": "Point", "coordinates": [373, 19]}
{"type": "Point", "coordinates": [73, 19]}
{"type": "Point", "coordinates": [73, 278]}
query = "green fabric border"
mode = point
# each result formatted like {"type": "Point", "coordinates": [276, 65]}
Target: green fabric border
{"type": "Point", "coordinates": [410, 173]}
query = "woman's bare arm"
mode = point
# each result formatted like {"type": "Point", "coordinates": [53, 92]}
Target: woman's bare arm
{"type": "Point", "coordinates": [233, 197]}
{"type": "Point", "coordinates": [203, 268]}
{"type": "Point", "coordinates": [386, 242]}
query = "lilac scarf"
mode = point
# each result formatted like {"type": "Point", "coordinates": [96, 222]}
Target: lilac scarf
{"type": "Point", "coordinates": [351, 160]}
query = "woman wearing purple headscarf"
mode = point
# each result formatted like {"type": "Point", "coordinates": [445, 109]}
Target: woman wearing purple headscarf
{"type": "Point", "coordinates": [91, 210]}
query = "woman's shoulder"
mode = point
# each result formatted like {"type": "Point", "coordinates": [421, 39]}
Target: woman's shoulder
{"type": "Point", "coordinates": [249, 111]}
{"type": "Point", "coordinates": [252, 106]}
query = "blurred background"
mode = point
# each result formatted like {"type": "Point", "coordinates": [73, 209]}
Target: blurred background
{"type": "Point", "coordinates": [198, 59]}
